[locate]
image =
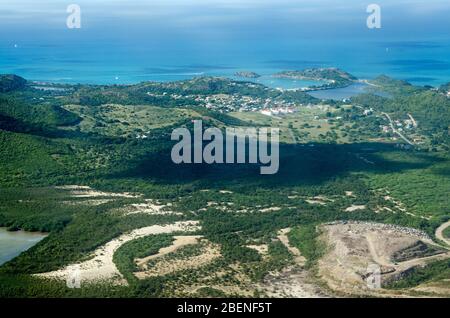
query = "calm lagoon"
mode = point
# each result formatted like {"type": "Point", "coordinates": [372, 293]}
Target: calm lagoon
{"type": "Point", "coordinates": [14, 243]}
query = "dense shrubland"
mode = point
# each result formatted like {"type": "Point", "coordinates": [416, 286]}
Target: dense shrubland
{"type": "Point", "coordinates": [42, 146]}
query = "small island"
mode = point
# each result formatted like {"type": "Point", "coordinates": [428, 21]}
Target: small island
{"type": "Point", "coordinates": [334, 77]}
{"type": "Point", "coordinates": [247, 74]}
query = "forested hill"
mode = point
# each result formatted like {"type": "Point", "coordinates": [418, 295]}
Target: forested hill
{"type": "Point", "coordinates": [28, 110]}
{"type": "Point", "coordinates": [10, 82]}
{"type": "Point", "coordinates": [395, 86]}
{"type": "Point", "coordinates": [333, 76]}
{"type": "Point", "coordinates": [17, 115]}
{"type": "Point", "coordinates": [184, 93]}
{"type": "Point", "coordinates": [429, 107]}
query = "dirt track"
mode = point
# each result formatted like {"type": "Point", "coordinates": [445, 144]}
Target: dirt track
{"type": "Point", "coordinates": [293, 281]}
{"type": "Point", "coordinates": [101, 266]}
{"type": "Point", "coordinates": [179, 242]}
{"type": "Point", "coordinates": [440, 233]}
{"type": "Point", "coordinates": [283, 237]}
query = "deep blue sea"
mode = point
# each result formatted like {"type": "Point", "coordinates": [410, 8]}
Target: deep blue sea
{"type": "Point", "coordinates": [174, 40]}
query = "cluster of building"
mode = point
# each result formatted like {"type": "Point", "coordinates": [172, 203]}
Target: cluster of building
{"type": "Point", "coordinates": [143, 135]}
{"type": "Point", "coordinates": [278, 111]}
{"type": "Point", "coordinates": [227, 103]}
{"type": "Point", "coordinates": [368, 112]}
{"type": "Point", "coordinates": [401, 125]}
{"type": "Point", "coordinates": [407, 124]}
{"type": "Point", "coordinates": [157, 95]}
{"type": "Point", "coordinates": [236, 102]}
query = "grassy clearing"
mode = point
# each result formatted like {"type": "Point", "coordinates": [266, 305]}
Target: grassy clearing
{"type": "Point", "coordinates": [126, 120]}
{"type": "Point", "coordinates": [307, 124]}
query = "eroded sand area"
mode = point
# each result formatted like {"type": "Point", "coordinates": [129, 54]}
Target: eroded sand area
{"type": "Point", "coordinates": [101, 266]}
{"type": "Point", "coordinates": [186, 252]}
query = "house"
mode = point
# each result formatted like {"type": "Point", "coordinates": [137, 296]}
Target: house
{"type": "Point", "coordinates": [368, 112]}
{"type": "Point", "coordinates": [266, 112]}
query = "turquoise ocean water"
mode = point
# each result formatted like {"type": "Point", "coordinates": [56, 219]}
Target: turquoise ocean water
{"type": "Point", "coordinates": [173, 40]}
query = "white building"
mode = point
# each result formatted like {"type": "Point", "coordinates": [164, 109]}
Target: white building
{"type": "Point", "coordinates": [266, 112]}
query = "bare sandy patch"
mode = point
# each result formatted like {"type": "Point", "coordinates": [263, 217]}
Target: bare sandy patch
{"type": "Point", "coordinates": [101, 266]}
{"type": "Point", "coordinates": [93, 202]}
{"type": "Point", "coordinates": [179, 242]}
{"type": "Point", "coordinates": [319, 202]}
{"type": "Point", "coordinates": [323, 198]}
{"type": "Point", "coordinates": [355, 208]}
{"type": "Point", "coordinates": [290, 283]}
{"type": "Point", "coordinates": [148, 207]}
{"type": "Point", "coordinates": [73, 187]}
{"type": "Point", "coordinates": [78, 191]}
{"type": "Point", "coordinates": [262, 249]}
{"type": "Point", "coordinates": [318, 199]}
{"type": "Point", "coordinates": [271, 209]}
{"type": "Point", "coordinates": [293, 281]}
{"type": "Point", "coordinates": [164, 264]}
{"type": "Point", "coordinates": [95, 193]}
{"type": "Point", "coordinates": [382, 209]}
{"type": "Point", "coordinates": [283, 237]}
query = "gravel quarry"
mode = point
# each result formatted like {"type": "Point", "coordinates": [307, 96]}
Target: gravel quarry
{"type": "Point", "coordinates": [353, 247]}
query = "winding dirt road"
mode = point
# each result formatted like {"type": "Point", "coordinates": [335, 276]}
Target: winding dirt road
{"type": "Point", "coordinates": [391, 123]}
{"type": "Point", "coordinates": [101, 266]}
{"type": "Point", "coordinates": [440, 233]}
{"type": "Point", "coordinates": [401, 266]}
